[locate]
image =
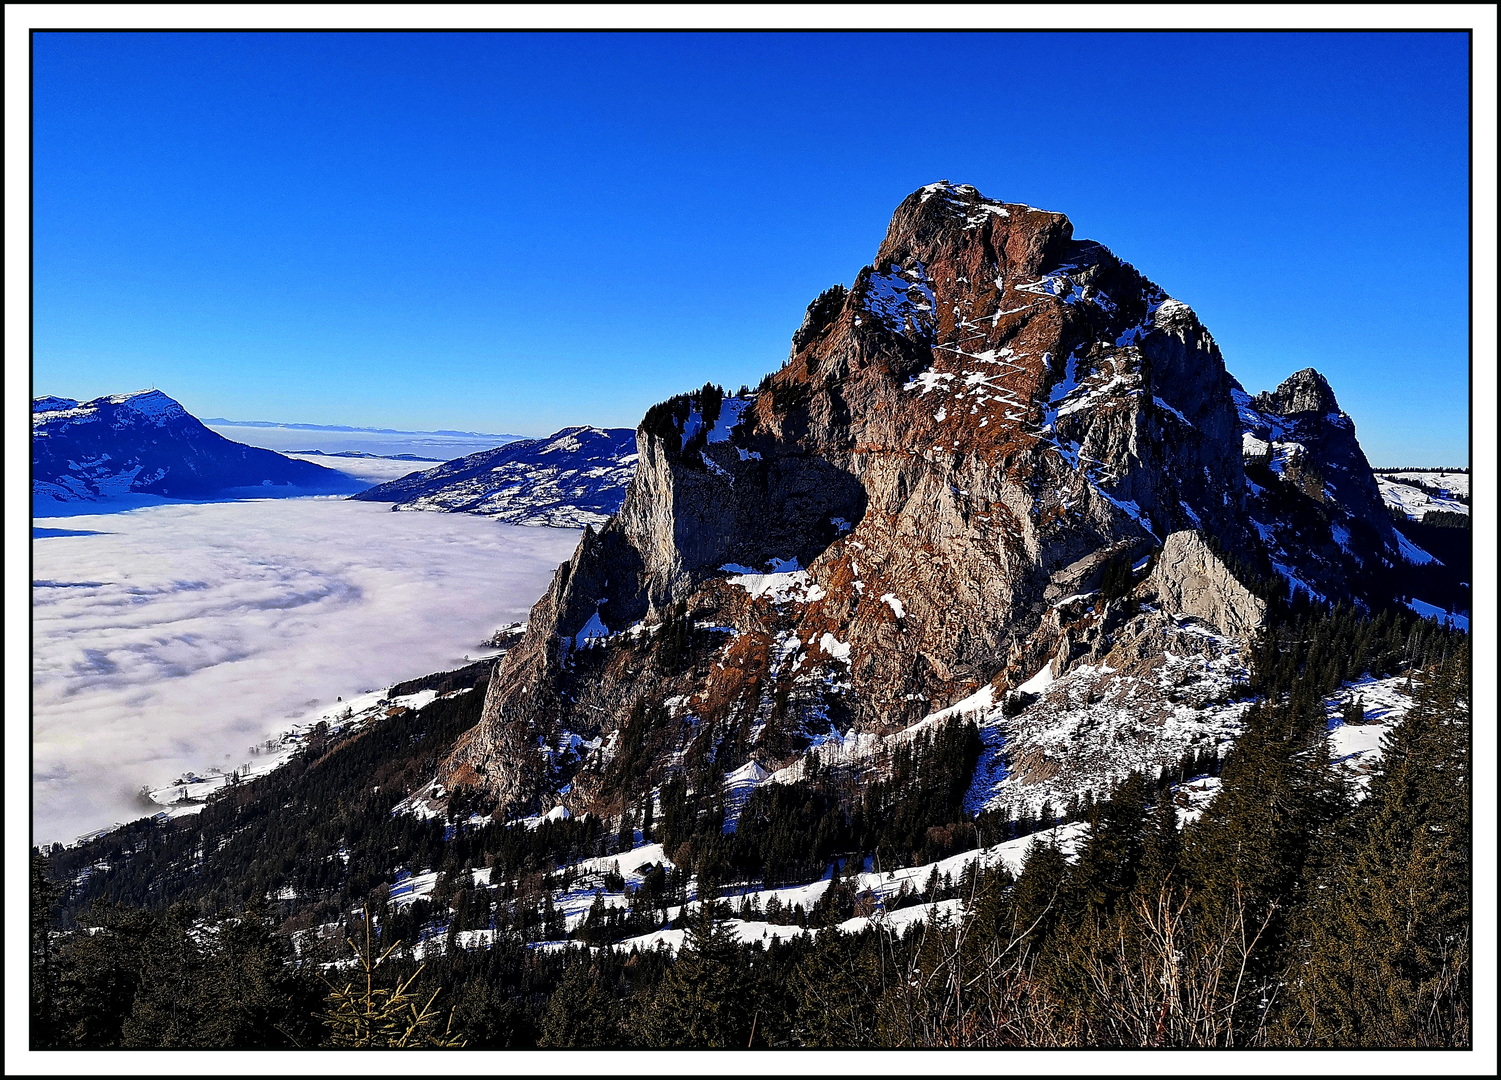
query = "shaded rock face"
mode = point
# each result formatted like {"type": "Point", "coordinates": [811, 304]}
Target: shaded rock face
{"type": "Point", "coordinates": [147, 444]}
{"type": "Point", "coordinates": [570, 479]}
{"type": "Point", "coordinates": [1311, 496]}
{"type": "Point", "coordinates": [918, 505]}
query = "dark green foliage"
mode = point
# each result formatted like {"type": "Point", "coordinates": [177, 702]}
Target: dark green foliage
{"type": "Point", "coordinates": [1277, 793]}
{"type": "Point", "coordinates": [586, 1009]}
{"type": "Point", "coordinates": [675, 638]}
{"type": "Point", "coordinates": [1109, 862]}
{"type": "Point", "coordinates": [174, 979]}
{"type": "Point", "coordinates": [45, 964]}
{"type": "Point", "coordinates": [825, 307]}
{"type": "Point", "coordinates": [1036, 903]}
{"type": "Point", "coordinates": [634, 748]}
{"type": "Point", "coordinates": [1445, 519]}
{"type": "Point", "coordinates": [833, 986]}
{"type": "Point", "coordinates": [789, 832]}
{"type": "Point", "coordinates": [711, 997]}
{"type": "Point", "coordinates": [916, 813]}
{"type": "Point", "coordinates": [1311, 652]}
{"type": "Point", "coordinates": [1382, 957]}
{"type": "Point", "coordinates": [667, 420]}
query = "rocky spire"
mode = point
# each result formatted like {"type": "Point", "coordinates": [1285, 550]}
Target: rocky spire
{"type": "Point", "coordinates": [1303, 391]}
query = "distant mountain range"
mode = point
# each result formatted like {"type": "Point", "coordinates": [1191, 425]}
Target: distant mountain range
{"type": "Point", "coordinates": [345, 427]}
{"type": "Point", "coordinates": [570, 479]}
{"type": "Point", "coordinates": [146, 443]}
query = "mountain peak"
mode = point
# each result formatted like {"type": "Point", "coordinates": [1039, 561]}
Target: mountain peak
{"type": "Point", "coordinates": [945, 206]}
{"type": "Point", "coordinates": [145, 443]}
{"type": "Point", "coordinates": [1303, 391]}
{"type": "Point", "coordinates": [151, 404]}
{"type": "Point", "coordinates": [576, 476]}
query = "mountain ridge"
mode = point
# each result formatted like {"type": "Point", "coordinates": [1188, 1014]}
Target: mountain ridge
{"type": "Point", "coordinates": [965, 452]}
{"type": "Point", "coordinates": [572, 478]}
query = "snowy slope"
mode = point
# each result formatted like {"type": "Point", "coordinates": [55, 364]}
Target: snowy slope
{"type": "Point", "coordinates": [573, 478]}
{"type": "Point", "coordinates": [1416, 494]}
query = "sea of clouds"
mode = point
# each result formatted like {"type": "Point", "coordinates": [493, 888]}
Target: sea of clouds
{"type": "Point", "coordinates": [173, 637]}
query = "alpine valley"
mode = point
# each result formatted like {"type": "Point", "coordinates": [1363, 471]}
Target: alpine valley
{"type": "Point", "coordinates": [998, 672]}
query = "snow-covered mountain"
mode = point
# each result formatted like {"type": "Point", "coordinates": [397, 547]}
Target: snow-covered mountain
{"type": "Point", "coordinates": [145, 443]}
{"type": "Point", "coordinates": [570, 479]}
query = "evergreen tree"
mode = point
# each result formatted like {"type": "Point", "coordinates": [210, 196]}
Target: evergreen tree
{"type": "Point", "coordinates": [832, 986]}
{"type": "Point", "coordinates": [1162, 845]}
{"type": "Point", "coordinates": [1112, 855]}
{"type": "Point", "coordinates": [1383, 954]}
{"type": "Point", "coordinates": [707, 998]}
{"type": "Point", "coordinates": [365, 1014]}
{"type": "Point", "coordinates": [1036, 900]}
{"type": "Point", "coordinates": [580, 1012]}
{"type": "Point", "coordinates": [1246, 857]}
{"type": "Point", "coordinates": [46, 967]}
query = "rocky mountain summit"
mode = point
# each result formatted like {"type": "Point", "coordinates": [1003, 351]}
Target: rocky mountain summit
{"type": "Point", "coordinates": [147, 444]}
{"type": "Point", "coordinates": [1003, 477]}
{"type": "Point", "coordinates": [570, 479]}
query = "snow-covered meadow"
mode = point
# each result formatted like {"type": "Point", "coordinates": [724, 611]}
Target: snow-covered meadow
{"type": "Point", "coordinates": [171, 638]}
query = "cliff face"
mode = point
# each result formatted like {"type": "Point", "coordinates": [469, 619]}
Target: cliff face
{"type": "Point", "coordinates": [995, 423]}
{"type": "Point", "coordinates": [1313, 500]}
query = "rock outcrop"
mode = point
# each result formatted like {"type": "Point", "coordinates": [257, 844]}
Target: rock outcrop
{"type": "Point", "coordinates": [1317, 508]}
{"type": "Point", "coordinates": [948, 487]}
{"type": "Point", "coordinates": [1190, 579]}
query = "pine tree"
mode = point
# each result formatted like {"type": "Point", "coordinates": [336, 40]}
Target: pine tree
{"type": "Point", "coordinates": [364, 1014]}
{"type": "Point", "coordinates": [707, 998]}
{"type": "Point", "coordinates": [1383, 956]}
{"type": "Point", "coordinates": [580, 1012]}
{"type": "Point", "coordinates": [1162, 845]}
{"type": "Point", "coordinates": [832, 987]}
{"type": "Point", "coordinates": [1246, 858]}
{"type": "Point", "coordinates": [1108, 864]}
{"type": "Point", "coordinates": [46, 966]}
{"type": "Point", "coordinates": [1036, 900]}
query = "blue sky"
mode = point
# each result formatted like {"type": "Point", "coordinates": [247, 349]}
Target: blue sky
{"type": "Point", "coordinates": [515, 232]}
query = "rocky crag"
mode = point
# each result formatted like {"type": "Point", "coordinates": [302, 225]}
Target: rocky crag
{"type": "Point", "coordinates": [1002, 476]}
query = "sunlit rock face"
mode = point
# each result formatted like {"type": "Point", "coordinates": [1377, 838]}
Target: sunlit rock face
{"type": "Point", "coordinates": [1002, 452]}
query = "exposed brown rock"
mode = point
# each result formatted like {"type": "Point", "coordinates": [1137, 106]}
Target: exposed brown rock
{"type": "Point", "coordinates": [957, 445]}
